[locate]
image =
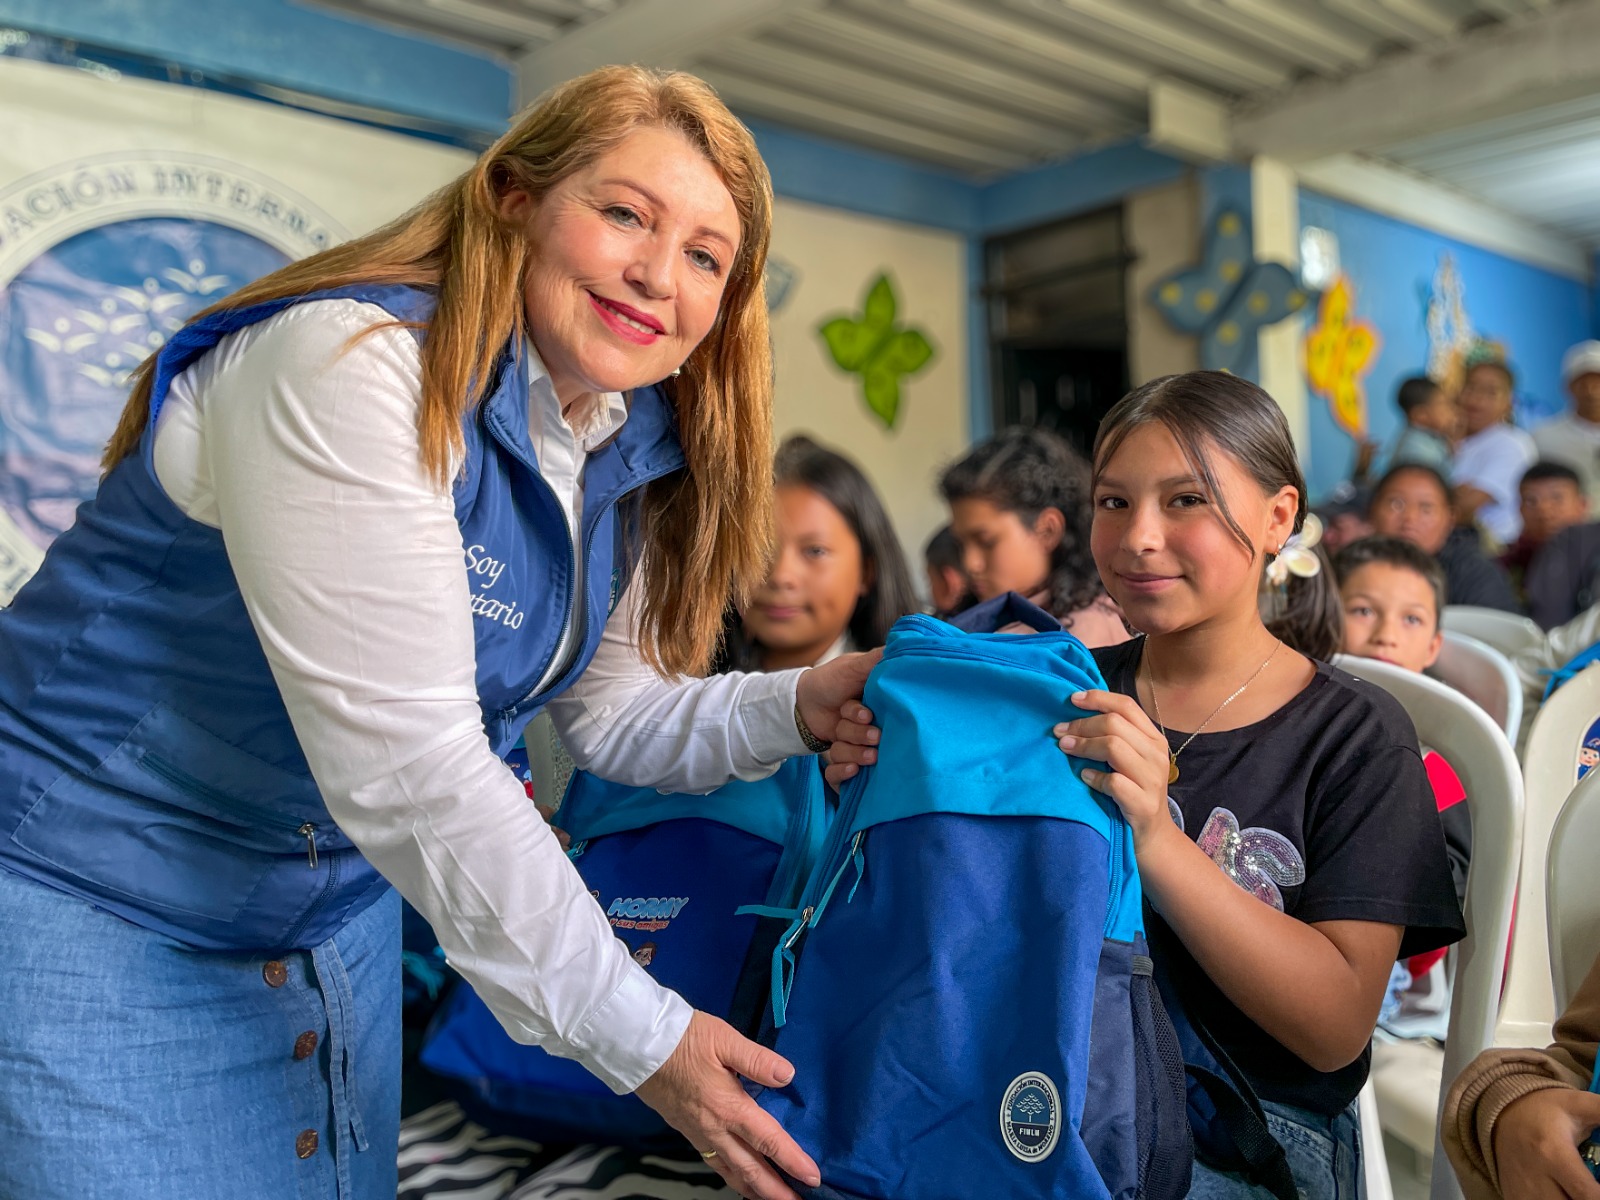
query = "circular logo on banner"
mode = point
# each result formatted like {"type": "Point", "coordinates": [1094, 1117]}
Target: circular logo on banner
{"type": "Point", "coordinates": [1030, 1116]}
{"type": "Point", "coordinates": [101, 260]}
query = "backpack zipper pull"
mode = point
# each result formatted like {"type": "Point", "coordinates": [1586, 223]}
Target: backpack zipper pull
{"type": "Point", "coordinates": [309, 832]}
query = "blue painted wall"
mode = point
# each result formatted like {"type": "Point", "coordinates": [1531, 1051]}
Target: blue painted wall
{"type": "Point", "coordinates": [285, 45]}
{"type": "Point", "coordinates": [1536, 314]}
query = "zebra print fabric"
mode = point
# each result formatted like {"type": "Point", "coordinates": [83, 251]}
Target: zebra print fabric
{"type": "Point", "coordinates": [446, 1156]}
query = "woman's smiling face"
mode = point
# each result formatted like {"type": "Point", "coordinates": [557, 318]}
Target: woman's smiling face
{"type": "Point", "coordinates": [628, 260]}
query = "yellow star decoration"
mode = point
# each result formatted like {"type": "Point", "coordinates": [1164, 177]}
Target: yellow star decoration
{"type": "Point", "coordinates": [1339, 351]}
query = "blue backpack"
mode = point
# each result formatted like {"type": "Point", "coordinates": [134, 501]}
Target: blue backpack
{"type": "Point", "coordinates": [670, 872]}
{"type": "Point", "coordinates": [963, 986]}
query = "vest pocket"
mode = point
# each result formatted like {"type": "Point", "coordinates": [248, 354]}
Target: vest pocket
{"type": "Point", "coordinates": [175, 818]}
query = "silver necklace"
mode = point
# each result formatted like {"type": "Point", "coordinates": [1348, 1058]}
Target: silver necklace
{"type": "Point", "coordinates": [1172, 755]}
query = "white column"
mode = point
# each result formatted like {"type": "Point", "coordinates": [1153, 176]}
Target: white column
{"type": "Point", "coordinates": [1275, 198]}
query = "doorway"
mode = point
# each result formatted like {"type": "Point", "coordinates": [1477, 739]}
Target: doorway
{"type": "Point", "coordinates": [1058, 325]}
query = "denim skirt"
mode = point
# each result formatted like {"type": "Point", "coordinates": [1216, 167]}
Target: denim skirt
{"type": "Point", "coordinates": [134, 1067]}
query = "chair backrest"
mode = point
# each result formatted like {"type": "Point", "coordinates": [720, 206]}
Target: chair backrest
{"type": "Point", "coordinates": [1506, 632]}
{"type": "Point", "coordinates": [1483, 675]}
{"type": "Point", "coordinates": [1572, 890]}
{"type": "Point", "coordinates": [1480, 754]}
{"type": "Point", "coordinates": [1551, 765]}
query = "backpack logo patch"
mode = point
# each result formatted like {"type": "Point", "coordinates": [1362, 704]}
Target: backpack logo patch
{"type": "Point", "coordinates": [646, 914]}
{"type": "Point", "coordinates": [1030, 1116]}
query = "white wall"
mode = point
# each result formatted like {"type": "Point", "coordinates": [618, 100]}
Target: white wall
{"type": "Point", "coordinates": [836, 255]}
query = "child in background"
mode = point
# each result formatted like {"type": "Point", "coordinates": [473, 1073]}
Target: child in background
{"type": "Point", "coordinates": [1286, 835]}
{"type": "Point", "coordinates": [1019, 505]}
{"type": "Point", "coordinates": [839, 578]}
{"type": "Point", "coordinates": [1393, 595]}
{"type": "Point", "coordinates": [1553, 564]}
{"type": "Point", "coordinates": [947, 582]}
{"type": "Point", "coordinates": [1413, 502]}
{"type": "Point", "coordinates": [1431, 421]}
{"type": "Point", "coordinates": [1551, 499]}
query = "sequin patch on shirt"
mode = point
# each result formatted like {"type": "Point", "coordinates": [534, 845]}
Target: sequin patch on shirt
{"type": "Point", "coordinates": [1259, 860]}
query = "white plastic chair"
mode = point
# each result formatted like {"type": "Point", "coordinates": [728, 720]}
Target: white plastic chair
{"type": "Point", "coordinates": [1374, 1161]}
{"type": "Point", "coordinates": [1478, 751]}
{"type": "Point", "coordinates": [1572, 890]}
{"type": "Point", "coordinates": [1485, 676]}
{"type": "Point", "coordinates": [1506, 632]}
{"type": "Point", "coordinates": [1550, 772]}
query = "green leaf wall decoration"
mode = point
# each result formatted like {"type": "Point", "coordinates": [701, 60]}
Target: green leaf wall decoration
{"type": "Point", "coordinates": [874, 347]}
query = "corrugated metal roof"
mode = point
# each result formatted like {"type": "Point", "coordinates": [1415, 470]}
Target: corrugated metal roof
{"type": "Point", "coordinates": [1543, 164]}
{"type": "Point", "coordinates": [989, 86]}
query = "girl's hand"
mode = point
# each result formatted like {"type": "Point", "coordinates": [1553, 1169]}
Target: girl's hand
{"type": "Point", "coordinates": [1536, 1145]}
{"type": "Point", "coordinates": [1125, 739]}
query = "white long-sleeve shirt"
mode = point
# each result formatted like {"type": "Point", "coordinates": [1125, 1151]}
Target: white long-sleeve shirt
{"type": "Point", "coordinates": [302, 448]}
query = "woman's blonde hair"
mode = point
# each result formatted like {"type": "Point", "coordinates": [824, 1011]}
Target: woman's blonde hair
{"type": "Point", "coordinates": [706, 530]}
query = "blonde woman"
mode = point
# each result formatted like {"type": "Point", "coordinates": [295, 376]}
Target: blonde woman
{"type": "Point", "coordinates": [253, 686]}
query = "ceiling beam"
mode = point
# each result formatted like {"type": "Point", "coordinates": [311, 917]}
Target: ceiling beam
{"type": "Point", "coordinates": [803, 110]}
{"type": "Point", "coordinates": [658, 33]}
{"type": "Point", "coordinates": [847, 35]}
{"type": "Point", "coordinates": [929, 104]}
{"type": "Point", "coordinates": [1489, 73]}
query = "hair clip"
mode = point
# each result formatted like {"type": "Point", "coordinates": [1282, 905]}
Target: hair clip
{"type": "Point", "coordinates": [1298, 555]}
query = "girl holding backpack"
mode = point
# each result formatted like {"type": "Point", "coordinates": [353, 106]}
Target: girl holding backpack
{"type": "Point", "coordinates": [1285, 833]}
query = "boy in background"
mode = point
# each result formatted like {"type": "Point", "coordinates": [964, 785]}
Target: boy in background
{"type": "Point", "coordinates": [1431, 421]}
{"type": "Point", "coordinates": [1555, 563]}
{"type": "Point", "coordinates": [947, 579]}
{"type": "Point", "coordinates": [1393, 593]}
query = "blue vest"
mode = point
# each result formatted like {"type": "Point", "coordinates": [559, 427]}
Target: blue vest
{"type": "Point", "coordinates": [148, 761]}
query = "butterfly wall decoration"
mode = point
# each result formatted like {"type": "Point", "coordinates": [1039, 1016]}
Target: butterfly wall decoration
{"type": "Point", "coordinates": [876, 347]}
{"type": "Point", "coordinates": [1340, 350]}
{"type": "Point", "coordinates": [1229, 297]}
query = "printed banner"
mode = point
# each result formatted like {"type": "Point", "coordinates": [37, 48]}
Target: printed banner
{"type": "Point", "coordinates": [125, 207]}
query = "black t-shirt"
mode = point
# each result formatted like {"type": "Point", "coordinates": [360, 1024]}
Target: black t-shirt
{"type": "Point", "coordinates": [1336, 818]}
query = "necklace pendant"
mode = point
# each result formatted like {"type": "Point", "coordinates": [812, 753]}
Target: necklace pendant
{"type": "Point", "coordinates": [1172, 768]}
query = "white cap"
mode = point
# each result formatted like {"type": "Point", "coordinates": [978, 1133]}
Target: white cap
{"type": "Point", "coordinates": [1582, 359]}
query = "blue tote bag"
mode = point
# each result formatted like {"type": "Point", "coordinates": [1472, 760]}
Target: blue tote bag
{"type": "Point", "coordinates": [670, 871]}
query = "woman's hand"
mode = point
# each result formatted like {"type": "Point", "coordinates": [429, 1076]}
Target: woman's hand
{"type": "Point", "coordinates": [829, 697]}
{"type": "Point", "coordinates": [1536, 1145]}
{"type": "Point", "coordinates": [697, 1091]}
{"type": "Point", "coordinates": [1127, 741]}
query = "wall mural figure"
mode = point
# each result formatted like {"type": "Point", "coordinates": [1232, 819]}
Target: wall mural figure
{"type": "Point", "coordinates": [1229, 297]}
{"type": "Point", "coordinates": [874, 346]}
{"type": "Point", "coordinates": [1340, 350]}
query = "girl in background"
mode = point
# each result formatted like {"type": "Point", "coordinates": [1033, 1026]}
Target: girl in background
{"type": "Point", "coordinates": [1286, 835]}
{"type": "Point", "coordinates": [839, 579]}
{"type": "Point", "coordinates": [1019, 504]}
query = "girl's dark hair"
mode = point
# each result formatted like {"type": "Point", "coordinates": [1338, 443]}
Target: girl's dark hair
{"type": "Point", "coordinates": [801, 462]}
{"type": "Point", "coordinates": [1394, 552]}
{"type": "Point", "coordinates": [1306, 614]}
{"type": "Point", "coordinates": [1026, 471]}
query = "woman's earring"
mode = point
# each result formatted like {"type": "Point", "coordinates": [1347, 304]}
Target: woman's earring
{"type": "Point", "coordinates": [676, 371]}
